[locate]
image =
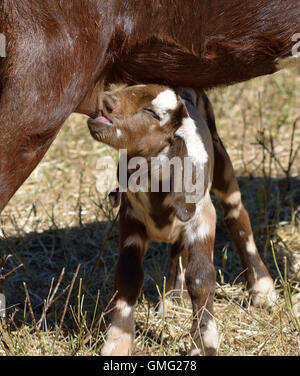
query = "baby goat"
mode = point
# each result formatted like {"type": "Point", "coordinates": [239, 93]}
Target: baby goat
{"type": "Point", "coordinates": [157, 124]}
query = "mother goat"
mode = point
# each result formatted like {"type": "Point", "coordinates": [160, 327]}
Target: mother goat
{"type": "Point", "coordinates": [59, 52]}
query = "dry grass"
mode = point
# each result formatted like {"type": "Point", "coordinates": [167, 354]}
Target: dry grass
{"type": "Point", "coordinates": [58, 220]}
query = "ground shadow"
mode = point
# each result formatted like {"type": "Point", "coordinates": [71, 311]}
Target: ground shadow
{"type": "Point", "coordinates": [45, 254]}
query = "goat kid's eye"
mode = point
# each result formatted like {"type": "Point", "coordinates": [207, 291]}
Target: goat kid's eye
{"type": "Point", "coordinates": [152, 113]}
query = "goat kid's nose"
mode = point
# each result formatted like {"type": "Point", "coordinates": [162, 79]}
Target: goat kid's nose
{"type": "Point", "coordinates": [109, 103]}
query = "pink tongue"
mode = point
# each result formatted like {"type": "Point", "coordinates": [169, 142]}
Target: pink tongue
{"type": "Point", "coordinates": [103, 119]}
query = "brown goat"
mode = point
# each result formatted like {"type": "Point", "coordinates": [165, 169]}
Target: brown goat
{"type": "Point", "coordinates": [59, 53]}
{"type": "Point", "coordinates": [153, 123]}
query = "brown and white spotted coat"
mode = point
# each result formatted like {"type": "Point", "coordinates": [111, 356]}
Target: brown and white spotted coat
{"type": "Point", "coordinates": [155, 121]}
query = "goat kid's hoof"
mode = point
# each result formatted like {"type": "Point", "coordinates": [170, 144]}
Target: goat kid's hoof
{"type": "Point", "coordinates": [118, 344]}
{"type": "Point", "coordinates": [164, 307]}
{"type": "Point", "coordinates": [208, 352]}
{"type": "Point", "coordinates": [263, 294]}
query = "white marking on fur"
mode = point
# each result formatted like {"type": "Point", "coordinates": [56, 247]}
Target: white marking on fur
{"type": "Point", "coordinates": [264, 293]}
{"type": "Point", "coordinates": [288, 62]}
{"type": "Point", "coordinates": [164, 102]}
{"type": "Point", "coordinates": [164, 306]}
{"type": "Point", "coordinates": [231, 198]}
{"type": "Point", "coordinates": [195, 352]}
{"type": "Point", "coordinates": [119, 342]}
{"type": "Point", "coordinates": [250, 245]}
{"type": "Point", "coordinates": [125, 309]}
{"type": "Point", "coordinates": [109, 347]}
{"type": "Point", "coordinates": [133, 240]}
{"type": "Point", "coordinates": [234, 198]}
{"type": "Point", "coordinates": [120, 335]}
{"type": "Point", "coordinates": [180, 280]}
{"type": "Point", "coordinates": [199, 228]}
{"type": "Point", "coordinates": [194, 144]}
{"type": "Point", "coordinates": [210, 335]}
{"type": "Point", "coordinates": [196, 230]}
{"type": "Point", "coordinates": [204, 230]}
{"type": "Point", "coordinates": [235, 212]}
{"type": "Point", "coordinates": [119, 133]}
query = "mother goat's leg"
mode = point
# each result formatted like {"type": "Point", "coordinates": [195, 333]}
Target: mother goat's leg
{"type": "Point", "coordinates": [24, 139]}
{"type": "Point", "coordinates": [39, 89]}
{"type": "Point", "coordinates": [25, 136]}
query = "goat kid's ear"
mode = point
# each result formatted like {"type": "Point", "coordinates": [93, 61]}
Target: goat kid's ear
{"type": "Point", "coordinates": [184, 211]}
{"type": "Point", "coordinates": [115, 198]}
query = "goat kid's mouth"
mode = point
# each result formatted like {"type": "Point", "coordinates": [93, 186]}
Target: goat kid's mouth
{"type": "Point", "coordinates": [99, 126]}
{"type": "Point", "coordinates": [100, 120]}
{"type": "Point", "coordinates": [102, 129]}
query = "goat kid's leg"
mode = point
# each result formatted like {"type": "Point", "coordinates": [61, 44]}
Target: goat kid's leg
{"type": "Point", "coordinates": [176, 275]}
{"type": "Point", "coordinates": [175, 282]}
{"type": "Point", "coordinates": [200, 278]}
{"type": "Point", "coordinates": [236, 219]}
{"type": "Point", "coordinates": [129, 278]}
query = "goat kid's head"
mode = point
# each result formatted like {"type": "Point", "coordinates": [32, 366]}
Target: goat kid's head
{"type": "Point", "coordinates": [142, 119]}
{"type": "Point", "coordinates": [146, 120]}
